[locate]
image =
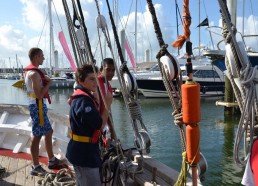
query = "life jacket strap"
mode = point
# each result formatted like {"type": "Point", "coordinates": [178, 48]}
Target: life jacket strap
{"type": "Point", "coordinates": [85, 139]}
{"type": "Point", "coordinates": [40, 107]}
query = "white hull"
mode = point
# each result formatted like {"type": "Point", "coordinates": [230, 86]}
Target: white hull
{"type": "Point", "coordinates": [153, 93]}
{"type": "Point", "coordinates": [62, 83]}
{"type": "Point", "coordinates": [163, 94]}
{"type": "Point", "coordinates": [15, 130]}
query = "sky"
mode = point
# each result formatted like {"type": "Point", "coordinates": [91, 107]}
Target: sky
{"type": "Point", "coordinates": [25, 24]}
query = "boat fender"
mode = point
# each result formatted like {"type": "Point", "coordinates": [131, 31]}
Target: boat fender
{"type": "Point", "coordinates": [130, 82]}
{"type": "Point", "coordinates": [170, 67]}
{"type": "Point", "coordinates": [243, 52]}
{"type": "Point", "coordinates": [80, 38]}
{"type": "Point", "coordinates": [231, 60]}
{"type": "Point", "coordinates": [191, 103]}
{"type": "Point", "coordinates": [101, 22]}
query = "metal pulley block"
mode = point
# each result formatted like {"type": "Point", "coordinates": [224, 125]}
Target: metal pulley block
{"type": "Point", "coordinates": [130, 82]}
{"type": "Point", "coordinates": [171, 66]}
{"type": "Point", "coordinates": [202, 168]}
{"type": "Point", "coordinates": [101, 22]}
{"type": "Point", "coordinates": [80, 39]}
{"type": "Point", "coordinates": [143, 142]}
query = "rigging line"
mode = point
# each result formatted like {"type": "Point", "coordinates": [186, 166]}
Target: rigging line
{"type": "Point", "coordinates": [121, 22]}
{"type": "Point", "coordinates": [146, 27]}
{"type": "Point", "coordinates": [42, 29]}
{"type": "Point", "coordinates": [115, 35]}
{"type": "Point", "coordinates": [57, 16]}
{"type": "Point", "coordinates": [178, 10]}
{"type": "Point", "coordinates": [130, 96]}
{"type": "Point", "coordinates": [169, 87]}
{"type": "Point", "coordinates": [177, 31]}
{"type": "Point", "coordinates": [251, 7]}
{"type": "Point", "coordinates": [86, 53]}
{"type": "Point", "coordinates": [101, 93]}
{"type": "Point", "coordinates": [205, 8]}
{"type": "Point", "coordinates": [71, 31]}
{"type": "Point", "coordinates": [82, 22]}
{"type": "Point", "coordinates": [99, 40]}
{"type": "Point", "coordinates": [75, 39]}
{"type": "Point", "coordinates": [128, 14]}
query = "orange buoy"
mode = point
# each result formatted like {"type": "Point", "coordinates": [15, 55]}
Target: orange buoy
{"type": "Point", "coordinates": [193, 144]}
{"type": "Point", "coordinates": [191, 103]}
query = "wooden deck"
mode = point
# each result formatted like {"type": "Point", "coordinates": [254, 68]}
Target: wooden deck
{"type": "Point", "coordinates": [18, 172]}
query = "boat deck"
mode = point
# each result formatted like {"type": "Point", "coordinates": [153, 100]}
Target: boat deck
{"type": "Point", "coordinates": [18, 172]}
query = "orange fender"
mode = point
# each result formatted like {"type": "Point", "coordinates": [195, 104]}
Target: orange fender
{"type": "Point", "coordinates": [191, 103]}
{"type": "Point", "coordinates": [193, 144]}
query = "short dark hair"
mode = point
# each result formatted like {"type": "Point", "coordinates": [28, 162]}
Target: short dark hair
{"type": "Point", "coordinates": [83, 71]}
{"type": "Point", "coordinates": [34, 51]}
{"type": "Point", "coordinates": [107, 61]}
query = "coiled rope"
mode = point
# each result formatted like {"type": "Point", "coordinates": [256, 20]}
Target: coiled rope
{"type": "Point", "coordinates": [246, 92]}
{"type": "Point", "coordinates": [63, 177]}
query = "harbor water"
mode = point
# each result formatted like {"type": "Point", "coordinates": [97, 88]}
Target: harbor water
{"type": "Point", "coordinates": [217, 131]}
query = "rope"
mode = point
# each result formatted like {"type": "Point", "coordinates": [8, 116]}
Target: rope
{"type": "Point", "coordinates": [182, 178]}
{"type": "Point", "coordinates": [85, 35]}
{"type": "Point", "coordinates": [130, 96]}
{"type": "Point", "coordinates": [247, 119]}
{"type": "Point", "coordinates": [186, 23]}
{"type": "Point", "coordinates": [72, 34]}
{"type": "Point", "coordinates": [155, 23]}
{"type": "Point", "coordinates": [173, 93]}
{"type": "Point", "coordinates": [246, 93]}
{"type": "Point", "coordinates": [2, 171]}
{"type": "Point", "coordinates": [135, 109]}
{"type": "Point", "coordinates": [63, 177]}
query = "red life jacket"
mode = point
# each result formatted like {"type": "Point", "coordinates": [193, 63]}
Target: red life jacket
{"type": "Point", "coordinates": [102, 105]}
{"type": "Point", "coordinates": [44, 82]}
{"type": "Point", "coordinates": [96, 133]}
{"type": "Point", "coordinates": [254, 161]}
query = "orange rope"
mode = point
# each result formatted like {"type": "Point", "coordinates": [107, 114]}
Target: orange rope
{"type": "Point", "coordinates": [186, 24]}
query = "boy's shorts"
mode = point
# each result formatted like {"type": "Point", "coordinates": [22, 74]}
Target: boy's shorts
{"type": "Point", "coordinates": [37, 130]}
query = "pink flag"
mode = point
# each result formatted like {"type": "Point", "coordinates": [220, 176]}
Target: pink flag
{"type": "Point", "coordinates": [66, 50]}
{"type": "Point", "coordinates": [130, 54]}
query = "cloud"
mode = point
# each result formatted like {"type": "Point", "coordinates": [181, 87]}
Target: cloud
{"type": "Point", "coordinates": [12, 42]}
{"type": "Point", "coordinates": [18, 40]}
{"type": "Point", "coordinates": [11, 38]}
{"type": "Point", "coordinates": [33, 13]}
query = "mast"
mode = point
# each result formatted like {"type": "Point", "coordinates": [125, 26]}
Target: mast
{"type": "Point", "coordinates": [232, 7]}
{"type": "Point", "coordinates": [135, 44]}
{"type": "Point", "coordinates": [16, 59]}
{"type": "Point", "coordinates": [199, 29]}
{"type": "Point", "coordinates": [177, 31]}
{"type": "Point", "coordinates": [243, 28]}
{"type": "Point", "coordinates": [229, 92]}
{"type": "Point", "coordinates": [51, 39]}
